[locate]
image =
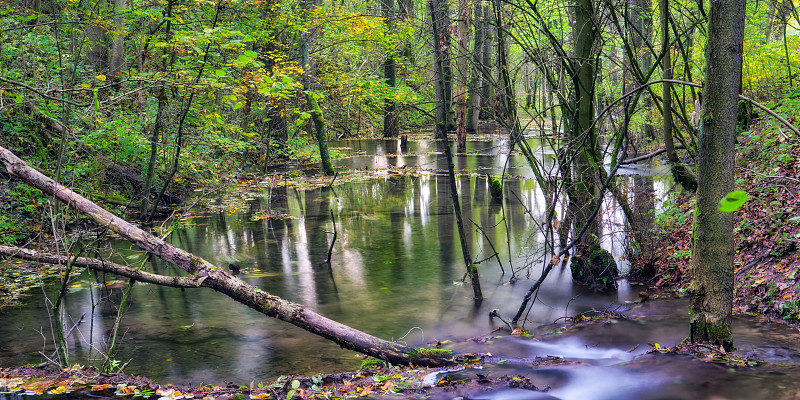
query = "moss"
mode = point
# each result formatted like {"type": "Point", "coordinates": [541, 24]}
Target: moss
{"type": "Point", "coordinates": [372, 362]}
{"type": "Point", "coordinates": [597, 270]}
{"type": "Point", "coordinates": [496, 188]}
{"type": "Point", "coordinates": [430, 353]}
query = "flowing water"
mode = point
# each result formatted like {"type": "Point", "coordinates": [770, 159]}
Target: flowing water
{"type": "Point", "coordinates": [396, 272]}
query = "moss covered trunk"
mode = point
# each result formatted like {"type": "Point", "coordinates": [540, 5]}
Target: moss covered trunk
{"type": "Point", "coordinates": [712, 257]}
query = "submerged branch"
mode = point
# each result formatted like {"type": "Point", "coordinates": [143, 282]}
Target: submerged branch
{"type": "Point", "coordinates": [225, 283]}
{"type": "Point", "coordinates": [102, 266]}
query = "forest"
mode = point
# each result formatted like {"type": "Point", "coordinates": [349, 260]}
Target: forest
{"type": "Point", "coordinates": [436, 199]}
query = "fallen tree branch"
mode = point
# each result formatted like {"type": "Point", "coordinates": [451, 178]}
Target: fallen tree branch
{"type": "Point", "coordinates": [221, 281]}
{"type": "Point", "coordinates": [648, 156]}
{"type": "Point", "coordinates": [102, 266]}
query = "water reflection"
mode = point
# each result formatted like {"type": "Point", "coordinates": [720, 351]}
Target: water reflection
{"type": "Point", "coordinates": [396, 265]}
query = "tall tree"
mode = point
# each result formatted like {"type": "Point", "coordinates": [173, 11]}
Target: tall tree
{"type": "Point", "coordinates": [461, 75]}
{"type": "Point", "coordinates": [712, 258]}
{"type": "Point", "coordinates": [118, 40]}
{"type": "Point", "coordinates": [390, 128]}
{"type": "Point", "coordinates": [311, 101]}
{"type": "Point", "coordinates": [474, 87]}
{"type": "Point", "coordinates": [442, 68]}
{"type": "Point", "coordinates": [679, 171]}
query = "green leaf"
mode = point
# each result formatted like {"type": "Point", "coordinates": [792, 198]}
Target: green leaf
{"type": "Point", "coordinates": [295, 384]}
{"type": "Point", "coordinates": [96, 101]}
{"type": "Point", "coordinates": [220, 72]}
{"type": "Point", "coordinates": [245, 59]}
{"type": "Point", "coordinates": [250, 54]}
{"type": "Point", "coordinates": [733, 200]}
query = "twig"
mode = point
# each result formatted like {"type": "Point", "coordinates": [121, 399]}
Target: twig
{"type": "Point", "coordinates": [330, 249]}
{"type": "Point", "coordinates": [496, 254]}
{"type": "Point", "coordinates": [496, 313]}
{"type": "Point", "coordinates": [330, 185]}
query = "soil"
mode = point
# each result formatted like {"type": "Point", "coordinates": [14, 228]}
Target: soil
{"type": "Point", "coordinates": [766, 231]}
{"type": "Point", "coordinates": [377, 382]}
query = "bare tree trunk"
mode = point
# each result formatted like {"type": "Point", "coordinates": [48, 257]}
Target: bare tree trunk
{"type": "Point", "coordinates": [461, 76]}
{"type": "Point", "coordinates": [712, 286]}
{"type": "Point", "coordinates": [390, 128]}
{"type": "Point", "coordinates": [679, 171]}
{"type": "Point", "coordinates": [118, 41]}
{"type": "Point", "coordinates": [208, 275]}
{"type": "Point", "coordinates": [487, 85]}
{"type": "Point", "coordinates": [443, 71]}
{"type": "Point", "coordinates": [474, 101]}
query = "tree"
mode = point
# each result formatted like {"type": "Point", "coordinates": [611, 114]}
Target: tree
{"type": "Point", "coordinates": [679, 171]}
{"type": "Point", "coordinates": [712, 257]}
{"type": "Point", "coordinates": [390, 128]}
{"type": "Point", "coordinates": [461, 75]}
{"type": "Point", "coordinates": [442, 67]}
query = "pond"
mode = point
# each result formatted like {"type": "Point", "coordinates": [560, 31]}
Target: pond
{"type": "Point", "coordinates": [397, 272]}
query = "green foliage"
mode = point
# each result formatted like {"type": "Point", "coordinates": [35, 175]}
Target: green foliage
{"type": "Point", "coordinates": [733, 201]}
{"type": "Point", "coordinates": [370, 362]}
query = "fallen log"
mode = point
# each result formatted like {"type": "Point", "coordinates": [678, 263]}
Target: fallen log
{"type": "Point", "coordinates": [221, 281]}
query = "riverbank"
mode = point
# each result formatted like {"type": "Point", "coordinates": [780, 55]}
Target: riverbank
{"type": "Point", "coordinates": [766, 231]}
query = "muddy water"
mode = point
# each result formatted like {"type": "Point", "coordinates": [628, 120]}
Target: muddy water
{"type": "Point", "coordinates": [396, 272]}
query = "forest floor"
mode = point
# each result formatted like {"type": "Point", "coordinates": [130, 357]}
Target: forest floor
{"type": "Point", "coordinates": [766, 230]}
{"type": "Point", "coordinates": [375, 382]}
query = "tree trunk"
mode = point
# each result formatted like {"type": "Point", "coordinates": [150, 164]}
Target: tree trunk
{"type": "Point", "coordinates": [390, 128]}
{"type": "Point", "coordinates": [474, 101]}
{"type": "Point", "coordinates": [207, 275]}
{"type": "Point", "coordinates": [487, 85]}
{"type": "Point", "coordinates": [96, 50]}
{"type": "Point", "coordinates": [680, 172]}
{"type": "Point", "coordinates": [590, 264]}
{"type": "Point", "coordinates": [316, 112]}
{"type": "Point", "coordinates": [586, 189]}
{"type": "Point", "coordinates": [118, 41]}
{"type": "Point", "coordinates": [712, 258]}
{"type": "Point", "coordinates": [461, 76]}
{"type": "Point", "coordinates": [154, 139]}
{"type": "Point", "coordinates": [319, 129]}
{"type": "Point", "coordinates": [443, 71]}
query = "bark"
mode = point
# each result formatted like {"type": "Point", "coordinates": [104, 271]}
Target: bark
{"type": "Point", "coordinates": [474, 101]}
{"type": "Point", "coordinates": [316, 112]}
{"type": "Point", "coordinates": [680, 172]}
{"type": "Point", "coordinates": [461, 76]}
{"type": "Point", "coordinates": [712, 285]}
{"type": "Point", "coordinates": [96, 51]}
{"type": "Point", "coordinates": [487, 86]}
{"type": "Point", "coordinates": [118, 40]}
{"type": "Point", "coordinates": [319, 129]}
{"type": "Point", "coordinates": [583, 136]}
{"type": "Point", "coordinates": [221, 281]}
{"type": "Point", "coordinates": [390, 128]}
{"type": "Point", "coordinates": [443, 71]}
{"type": "Point", "coordinates": [154, 139]}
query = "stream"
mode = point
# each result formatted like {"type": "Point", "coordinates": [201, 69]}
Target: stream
{"type": "Point", "coordinates": [396, 272]}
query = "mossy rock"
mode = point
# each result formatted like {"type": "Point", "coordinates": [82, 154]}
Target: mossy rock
{"type": "Point", "coordinates": [496, 188]}
{"type": "Point", "coordinates": [598, 269]}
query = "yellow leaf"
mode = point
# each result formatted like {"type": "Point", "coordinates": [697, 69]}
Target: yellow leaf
{"type": "Point", "coordinates": [58, 390]}
{"type": "Point", "coordinates": [101, 78]}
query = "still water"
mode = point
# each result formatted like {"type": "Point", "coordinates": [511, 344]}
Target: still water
{"type": "Point", "coordinates": [396, 272]}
